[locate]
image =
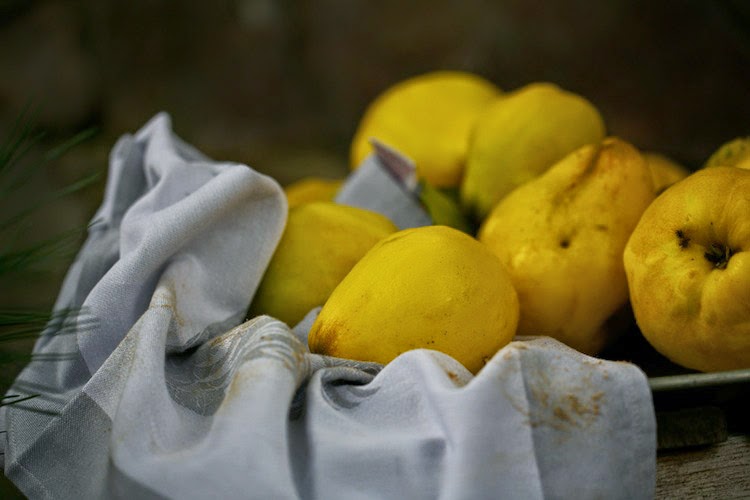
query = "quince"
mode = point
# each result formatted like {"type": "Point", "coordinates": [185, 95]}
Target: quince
{"type": "Point", "coordinates": [688, 269]}
{"type": "Point", "coordinates": [735, 153]}
{"type": "Point", "coordinates": [561, 237]}
{"type": "Point", "coordinates": [520, 136]}
{"type": "Point", "coordinates": [430, 287]}
{"type": "Point", "coordinates": [311, 189]}
{"type": "Point", "coordinates": [664, 170]}
{"type": "Point", "coordinates": [444, 208]}
{"type": "Point", "coordinates": [321, 242]}
{"type": "Point", "coordinates": [427, 118]}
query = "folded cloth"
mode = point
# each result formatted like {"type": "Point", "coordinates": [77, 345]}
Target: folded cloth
{"type": "Point", "coordinates": [386, 182]}
{"type": "Point", "coordinates": [160, 388]}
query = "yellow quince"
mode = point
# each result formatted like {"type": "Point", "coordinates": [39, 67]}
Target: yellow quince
{"type": "Point", "coordinates": [430, 287]}
{"type": "Point", "coordinates": [427, 118]}
{"type": "Point", "coordinates": [311, 189]}
{"type": "Point", "coordinates": [321, 242]}
{"type": "Point", "coordinates": [520, 136]}
{"type": "Point", "coordinates": [664, 170]}
{"type": "Point", "coordinates": [561, 237]}
{"type": "Point", "coordinates": [688, 270]}
{"type": "Point", "coordinates": [735, 153]}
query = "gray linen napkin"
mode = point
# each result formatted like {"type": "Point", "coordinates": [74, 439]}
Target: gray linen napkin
{"type": "Point", "coordinates": [166, 391]}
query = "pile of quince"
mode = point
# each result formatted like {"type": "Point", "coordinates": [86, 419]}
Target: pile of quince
{"type": "Point", "coordinates": [556, 226]}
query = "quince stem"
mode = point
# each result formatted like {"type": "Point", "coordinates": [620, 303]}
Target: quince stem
{"type": "Point", "coordinates": [718, 255]}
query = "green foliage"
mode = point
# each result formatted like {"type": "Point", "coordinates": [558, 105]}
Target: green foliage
{"type": "Point", "coordinates": [19, 163]}
{"type": "Point", "coordinates": [14, 175]}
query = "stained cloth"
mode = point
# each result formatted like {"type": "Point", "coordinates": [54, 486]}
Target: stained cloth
{"type": "Point", "coordinates": [154, 384]}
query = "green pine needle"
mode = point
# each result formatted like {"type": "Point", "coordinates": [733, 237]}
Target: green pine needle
{"type": "Point", "coordinates": [11, 399]}
{"type": "Point", "coordinates": [16, 170]}
{"type": "Point", "coordinates": [21, 138]}
{"type": "Point", "coordinates": [14, 175]}
{"type": "Point", "coordinates": [60, 246]}
{"type": "Point", "coordinates": [19, 324]}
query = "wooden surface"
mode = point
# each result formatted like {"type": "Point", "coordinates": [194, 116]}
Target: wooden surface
{"type": "Point", "coordinates": [720, 471]}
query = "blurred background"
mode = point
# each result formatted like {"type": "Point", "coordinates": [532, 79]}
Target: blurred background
{"type": "Point", "coordinates": [280, 84]}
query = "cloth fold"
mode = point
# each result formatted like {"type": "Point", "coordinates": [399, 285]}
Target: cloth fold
{"type": "Point", "coordinates": [166, 390]}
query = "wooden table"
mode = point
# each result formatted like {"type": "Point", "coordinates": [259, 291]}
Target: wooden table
{"type": "Point", "coordinates": [720, 471]}
{"type": "Point", "coordinates": [704, 442]}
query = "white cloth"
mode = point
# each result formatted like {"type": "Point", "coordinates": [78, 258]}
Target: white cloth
{"type": "Point", "coordinates": [386, 183]}
{"type": "Point", "coordinates": [165, 390]}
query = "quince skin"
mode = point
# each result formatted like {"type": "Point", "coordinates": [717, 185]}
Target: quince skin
{"type": "Point", "coordinates": [561, 237]}
{"type": "Point", "coordinates": [519, 136]}
{"type": "Point", "coordinates": [430, 287]}
{"type": "Point", "coordinates": [321, 242]}
{"type": "Point", "coordinates": [688, 269]}
{"type": "Point", "coordinates": [429, 119]}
